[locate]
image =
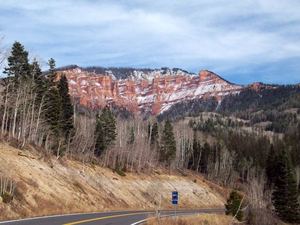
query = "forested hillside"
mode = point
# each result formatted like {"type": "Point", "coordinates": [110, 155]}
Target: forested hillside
{"type": "Point", "coordinates": [249, 141]}
{"type": "Point", "coordinates": [278, 104]}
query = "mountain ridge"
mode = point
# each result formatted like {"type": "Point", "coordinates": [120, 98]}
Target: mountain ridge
{"type": "Point", "coordinates": [154, 91]}
{"type": "Point", "coordinates": [146, 91]}
{"type": "Point", "coordinates": [122, 72]}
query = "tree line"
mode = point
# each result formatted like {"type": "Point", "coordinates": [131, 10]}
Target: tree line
{"type": "Point", "coordinates": [37, 109]}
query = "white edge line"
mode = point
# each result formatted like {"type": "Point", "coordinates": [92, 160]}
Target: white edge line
{"type": "Point", "coordinates": [139, 222]}
{"type": "Point", "coordinates": [60, 215]}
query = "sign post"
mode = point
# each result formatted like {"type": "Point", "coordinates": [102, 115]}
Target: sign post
{"type": "Point", "coordinates": [175, 200]}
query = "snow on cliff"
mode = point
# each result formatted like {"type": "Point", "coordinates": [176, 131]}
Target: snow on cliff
{"type": "Point", "coordinates": [151, 91]}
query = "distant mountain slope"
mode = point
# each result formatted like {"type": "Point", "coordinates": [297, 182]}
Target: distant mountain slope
{"type": "Point", "coordinates": [176, 93]}
{"type": "Point", "coordinates": [277, 106]}
{"type": "Point", "coordinates": [146, 91]}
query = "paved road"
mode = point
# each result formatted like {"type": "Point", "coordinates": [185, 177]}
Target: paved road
{"type": "Point", "coordinates": [106, 218]}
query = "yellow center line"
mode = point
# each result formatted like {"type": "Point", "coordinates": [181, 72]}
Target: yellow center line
{"type": "Point", "coordinates": [103, 218]}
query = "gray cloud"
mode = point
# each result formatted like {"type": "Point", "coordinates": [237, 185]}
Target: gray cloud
{"type": "Point", "coordinates": [234, 38]}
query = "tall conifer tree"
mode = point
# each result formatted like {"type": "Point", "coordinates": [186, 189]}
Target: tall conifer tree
{"type": "Point", "coordinates": [67, 111]}
{"type": "Point", "coordinates": [168, 144]}
{"type": "Point", "coordinates": [285, 194]}
{"type": "Point", "coordinates": [271, 166]}
{"type": "Point", "coordinates": [40, 84]}
{"type": "Point", "coordinates": [194, 161]}
{"type": "Point", "coordinates": [53, 103]}
{"type": "Point", "coordinates": [18, 63]}
{"type": "Point", "coordinates": [154, 137]}
{"type": "Point", "coordinates": [105, 133]}
{"type": "Point", "coordinates": [204, 158]}
{"type": "Point", "coordinates": [52, 73]}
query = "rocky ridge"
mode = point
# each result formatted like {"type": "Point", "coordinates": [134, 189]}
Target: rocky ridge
{"type": "Point", "coordinates": [146, 90]}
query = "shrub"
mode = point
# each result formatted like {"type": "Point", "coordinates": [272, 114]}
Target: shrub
{"type": "Point", "coordinates": [234, 205]}
{"type": "Point", "coordinates": [7, 189]}
{"type": "Point", "coordinates": [119, 171]}
{"type": "Point", "coordinates": [6, 197]}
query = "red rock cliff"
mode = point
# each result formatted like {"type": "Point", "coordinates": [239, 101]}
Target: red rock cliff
{"type": "Point", "coordinates": [154, 95]}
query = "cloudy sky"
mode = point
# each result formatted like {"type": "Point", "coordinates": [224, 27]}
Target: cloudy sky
{"type": "Point", "coordinates": [242, 40]}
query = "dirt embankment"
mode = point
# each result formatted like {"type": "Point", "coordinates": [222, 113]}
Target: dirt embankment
{"type": "Point", "coordinates": [68, 186]}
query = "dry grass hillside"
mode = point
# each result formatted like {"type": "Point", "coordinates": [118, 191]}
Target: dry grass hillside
{"type": "Point", "coordinates": [50, 186]}
{"type": "Point", "coordinates": [203, 219]}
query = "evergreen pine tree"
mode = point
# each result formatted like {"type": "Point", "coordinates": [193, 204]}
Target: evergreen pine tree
{"type": "Point", "coordinates": [270, 166]}
{"type": "Point", "coordinates": [18, 63]}
{"type": "Point", "coordinates": [168, 144]}
{"type": "Point", "coordinates": [52, 105]}
{"type": "Point", "coordinates": [17, 70]}
{"type": "Point", "coordinates": [285, 194]}
{"type": "Point", "coordinates": [154, 136]}
{"type": "Point", "coordinates": [233, 205]}
{"type": "Point", "coordinates": [194, 160]}
{"type": "Point", "coordinates": [105, 132]}
{"type": "Point", "coordinates": [53, 109]}
{"type": "Point", "coordinates": [111, 127]}
{"type": "Point", "coordinates": [52, 73]}
{"type": "Point", "coordinates": [204, 158]}
{"type": "Point", "coordinates": [293, 212]}
{"type": "Point", "coordinates": [67, 111]}
{"type": "Point", "coordinates": [99, 135]}
{"type": "Point", "coordinates": [40, 85]}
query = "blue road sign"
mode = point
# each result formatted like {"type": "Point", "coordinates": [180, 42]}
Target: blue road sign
{"type": "Point", "coordinates": [175, 197]}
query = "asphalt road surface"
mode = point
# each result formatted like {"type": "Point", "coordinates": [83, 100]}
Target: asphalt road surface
{"type": "Point", "coordinates": [105, 218]}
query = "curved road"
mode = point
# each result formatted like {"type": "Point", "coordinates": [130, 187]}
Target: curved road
{"type": "Point", "coordinates": [105, 218]}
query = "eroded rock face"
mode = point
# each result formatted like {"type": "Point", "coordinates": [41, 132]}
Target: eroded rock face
{"type": "Point", "coordinates": [152, 93]}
